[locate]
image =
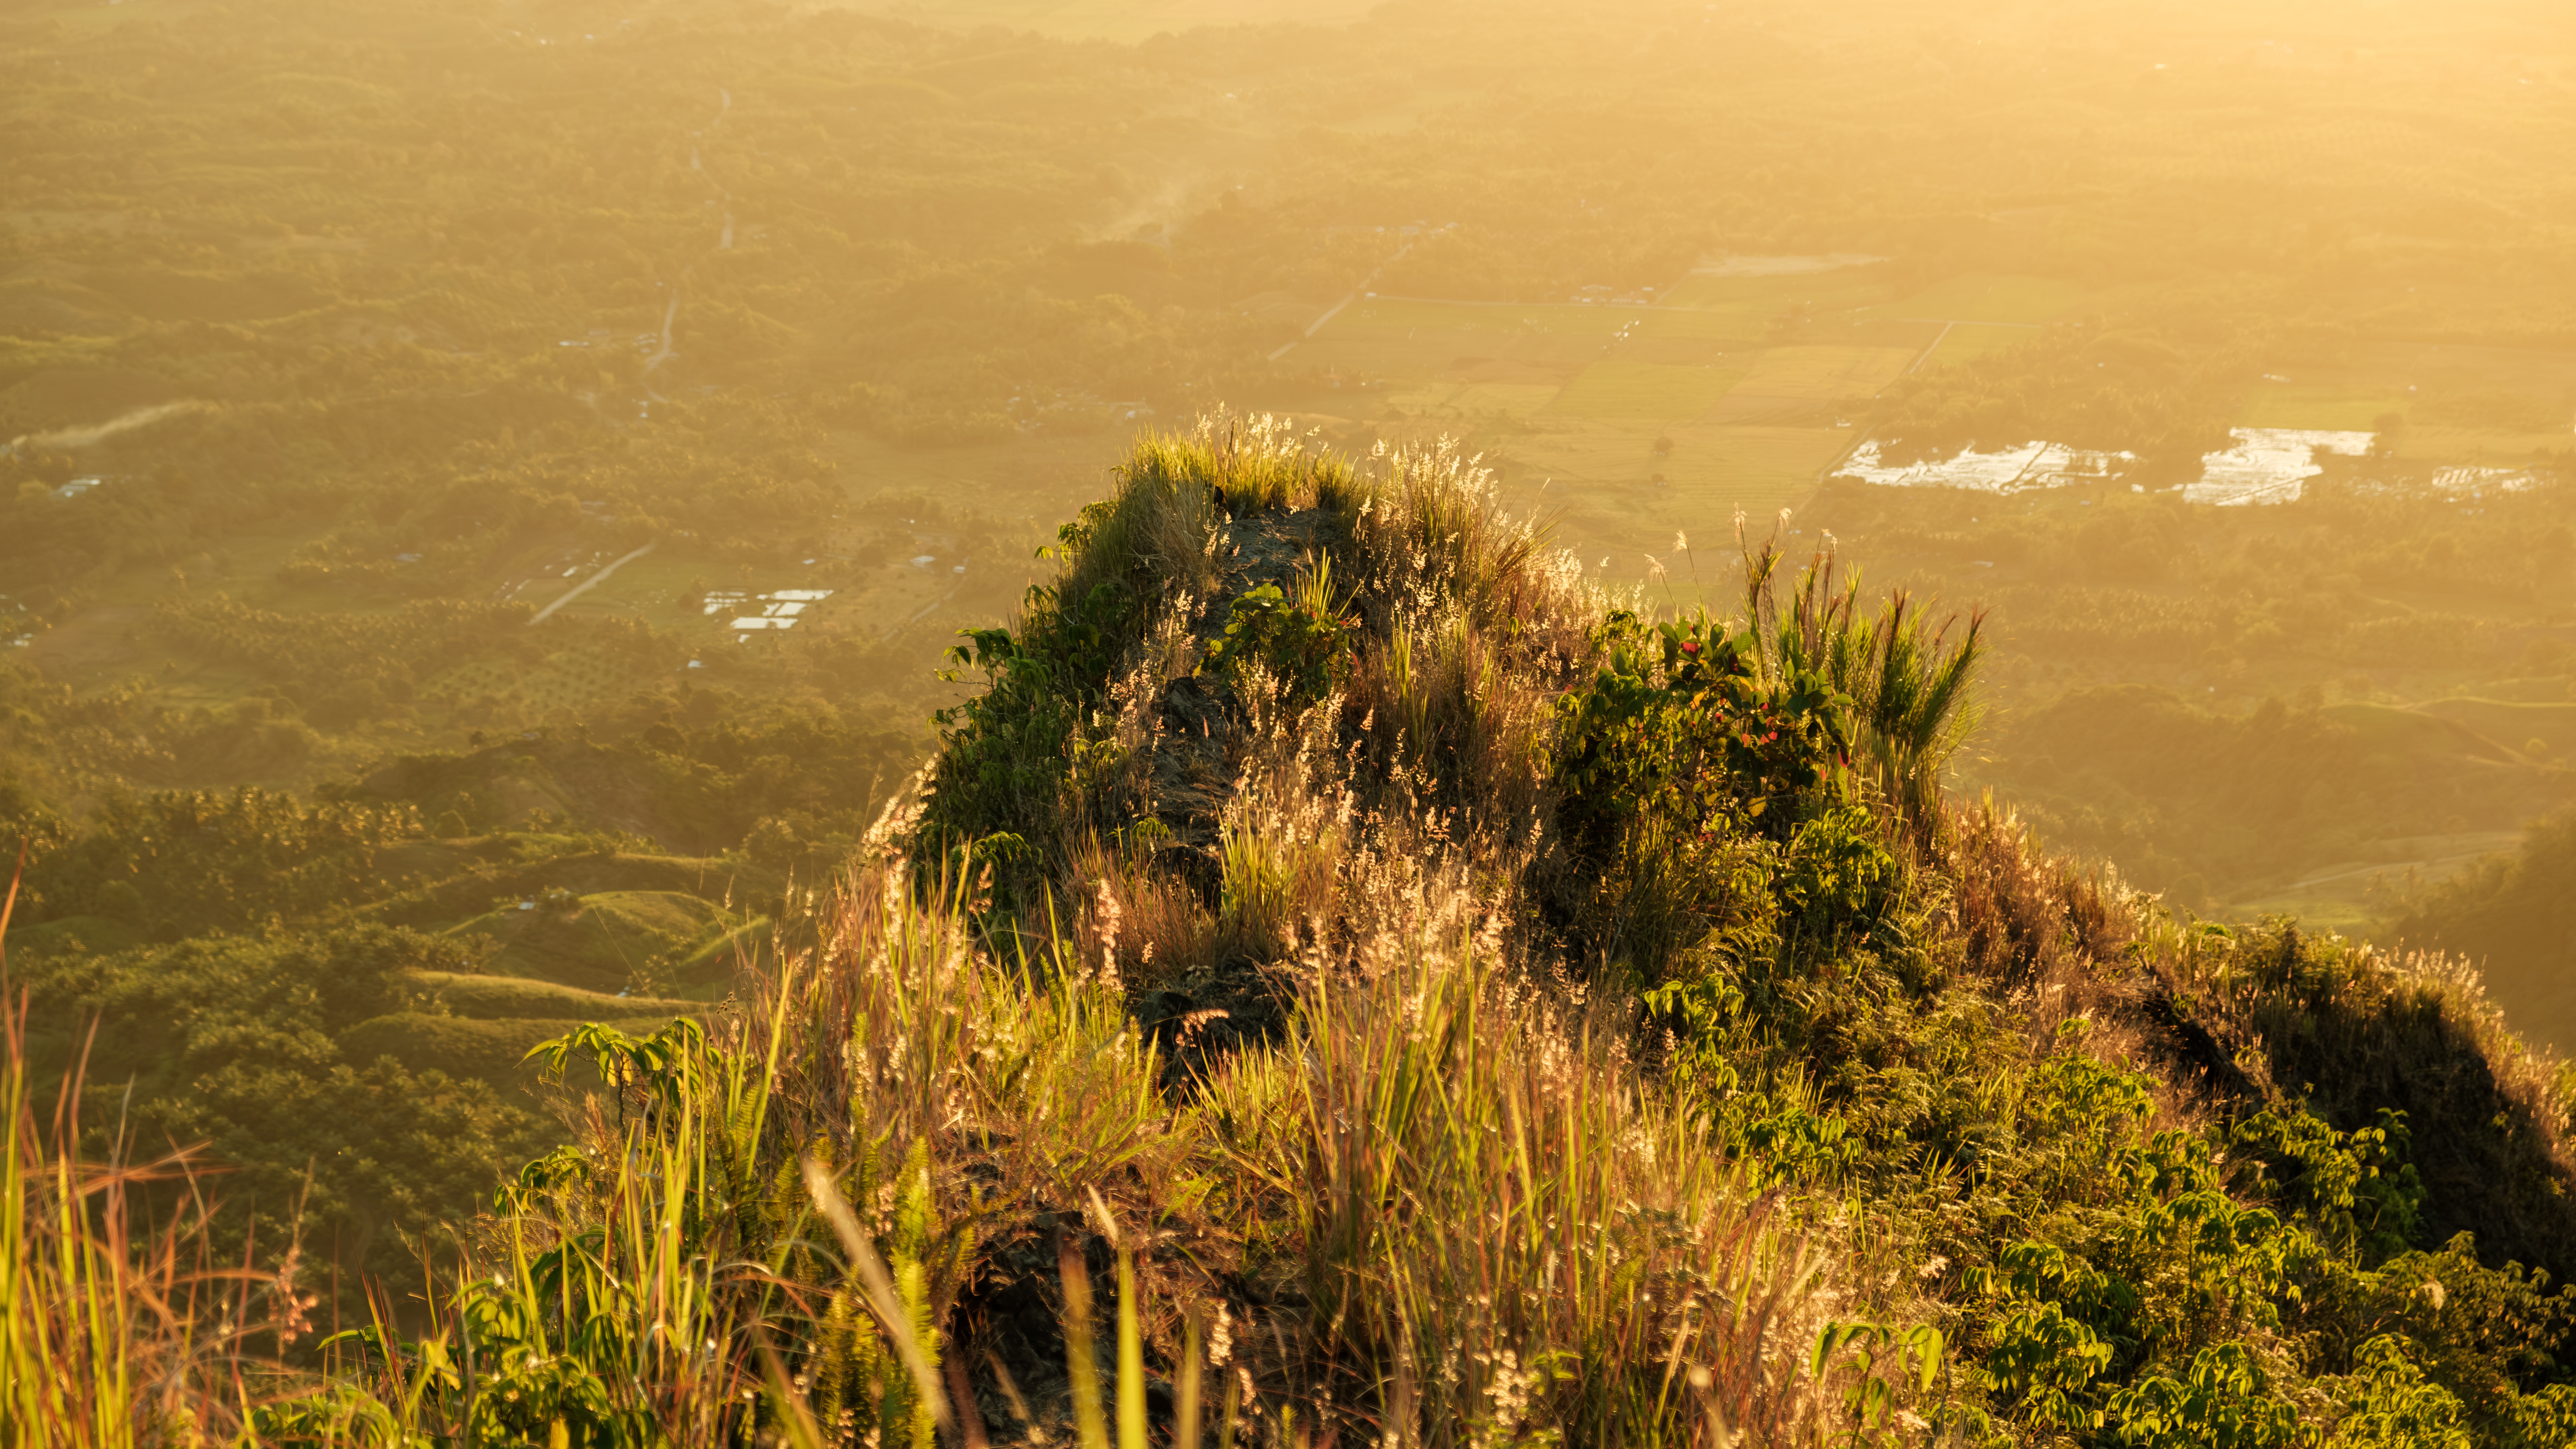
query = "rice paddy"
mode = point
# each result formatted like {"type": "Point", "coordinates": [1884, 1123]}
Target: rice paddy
{"type": "Point", "coordinates": [1983, 298]}
{"type": "Point", "coordinates": [1968, 341]}
{"type": "Point", "coordinates": [1645, 390]}
{"type": "Point", "coordinates": [1794, 382]}
{"type": "Point", "coordinates": [2448, 403]}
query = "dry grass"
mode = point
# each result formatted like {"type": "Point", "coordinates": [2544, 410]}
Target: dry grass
{"type": "Point", "coordinates": [118, 1325]}
{"type": "Point", "coordinates": [1514, 1233]}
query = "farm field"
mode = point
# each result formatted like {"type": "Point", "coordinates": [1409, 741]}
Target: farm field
{"type": "Point", "coordinates": [1801, 382]}
{"type": "Point", "coordinates": [1977, 297]}
{"type": "Point", "coordinates": [2452, 403]}
{"type": "Point", "coordinates": [1967, 341]}
{"type": "Point", "coordinates": [1760, 297]}
{"type": "Point", "coordinates": [1108, 19]}
{"type": "Point", "coordinates": [1646, 390]}
{"type": "Point", "coordinates": [2352, 896]}
{"type": "Point", "coordinates": [1570, 402]}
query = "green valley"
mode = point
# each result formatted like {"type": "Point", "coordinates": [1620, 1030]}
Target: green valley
{"type": "Point", "coordinates": [981, 720]}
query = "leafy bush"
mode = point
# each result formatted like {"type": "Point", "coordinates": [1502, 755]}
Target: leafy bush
{"type": "Point", "coordinates": [1300, 641]}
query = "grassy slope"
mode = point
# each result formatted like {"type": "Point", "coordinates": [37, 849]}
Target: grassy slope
{"type": "Point", "coordinates": [1971, 1007]}
{"type": "Point", "coordinates": [1854, 1030]}
{"type": "Point", "coordinates": [1654, 1046]}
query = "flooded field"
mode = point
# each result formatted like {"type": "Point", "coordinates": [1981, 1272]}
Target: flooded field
{"type": "Point", "coordinates": [2034, 464]}
{"type": "Point", "coordinates": [777, 609]}
{"type": "Point", "coordinates": [2270, 465]}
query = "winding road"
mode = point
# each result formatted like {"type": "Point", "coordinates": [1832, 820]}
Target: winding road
{"type": "Point", "coordinates": [724, 242]}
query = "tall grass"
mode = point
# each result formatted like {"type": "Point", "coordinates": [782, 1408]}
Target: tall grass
{"type": "Point", "coordinates": [767, 1228]}
{"type": "Point", "coordinates": [1908, 677]}
{"type": "Point", "coordinates": [774, 1230]}
{"type": "Point", "coordinates": [1518, 1234]}
{"type": "Point", "coordinates": [1173, 493]}
{"type": "Point", "coordinates": [114, 1331]}
{"type": "Point", "coordinates": [118, 1325]}
{"type": "Point", "coordinates": [1430, 529]}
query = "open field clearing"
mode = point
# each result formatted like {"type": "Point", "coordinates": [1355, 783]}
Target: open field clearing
{"type": "Point", "coordinates": [1349, 362]}
{"type": "Point", "coordinates": [2352, 896]}
{"type": "Point", "coordinates": [2445, 445]}
{"type": "Point", "coordinates": [1716, 470]}
{"type": "Point", "coordinates": [1676, 347]}
{"type": "Point", "coordinates": [1967, 341]}
{"type": "Point", "coordinates": [2537, 731]}
{"type": "Point", "coordinates": [1837, 290]}
{"type": "Point", "coordinates": [501, 997]}
{"type": "Point", "coordinates": [1471, 401]}
{"type": "Point", "coordinates": [1738, 265]}
{"type": "Point", "coordinates": [1647, 390]}
{"type": "Point", "coordinates": [1606, 474]}
{"type": "Point", "coordinates": [1729, 327]}
{"type": "Point", "coordinates": [1798, 382]}
{"type": "Point", "coordinates": [2455, 403]}
{"type": "Point", "coordinates": [2548, 377]}
{"type": "Point", "coordinates": [1105, 20]}
{"type": "Point", "coordinates": [650, 586]}
{"type": "Point", "coordinates": [600, 942]}
{"type": "Point", "coordinates": [2320, 405]}
{"type": "Point", "coordinates": [1986, 298]}
{"type": "Point", "coordinates": [1763, 309]}
{"type": "Point", "coordinates": [1822, 372]}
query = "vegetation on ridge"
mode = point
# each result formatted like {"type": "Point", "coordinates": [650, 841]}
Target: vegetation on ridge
{"type": "Point", "coordinates": [1455, 1007]}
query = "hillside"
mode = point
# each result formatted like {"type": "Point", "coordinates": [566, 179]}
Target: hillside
{"type": "Point", "coordinates": [1446, 865]}
{"type": "Point", "coordinates": [2509, 914]}
{"type": "Point", "coordinates": [338, 347]}
{"type": "Point", "coordinates": [1344, 974]}
{"type": "Point", "coordinates": [337, 993]}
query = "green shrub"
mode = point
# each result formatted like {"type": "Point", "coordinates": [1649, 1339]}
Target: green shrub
{"type": "Point", "coordinates": [1300, 640]}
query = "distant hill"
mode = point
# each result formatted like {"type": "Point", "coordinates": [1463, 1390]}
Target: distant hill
{"type": "Point", "coordinates": [2235, 813]}
{"type": "Point", "coordinates": [2514, 915]}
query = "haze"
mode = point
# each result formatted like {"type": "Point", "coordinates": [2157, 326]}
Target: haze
{"type": "Point", "coordinates": [489, 492]}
